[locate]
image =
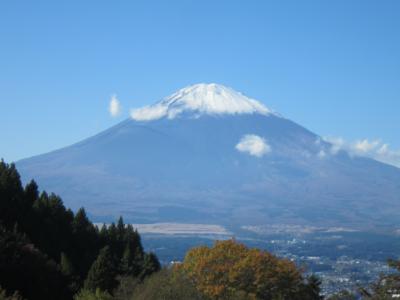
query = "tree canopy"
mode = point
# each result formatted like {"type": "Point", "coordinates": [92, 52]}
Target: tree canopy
{"type": "Point", "coordinates": [47, 251]}
{"type": "Point", "coordinates": [230, 268]}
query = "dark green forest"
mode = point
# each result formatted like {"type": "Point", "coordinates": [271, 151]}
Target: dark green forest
{"type": "Point", "coordinates": [49, 252]}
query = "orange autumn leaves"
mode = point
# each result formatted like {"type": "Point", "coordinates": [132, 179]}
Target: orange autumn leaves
{"type": "Point", "coordinates": [229, 269]}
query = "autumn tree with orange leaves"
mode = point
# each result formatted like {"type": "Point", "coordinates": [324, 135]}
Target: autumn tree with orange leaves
{"type": "Point", "coordinates": [230, 270]}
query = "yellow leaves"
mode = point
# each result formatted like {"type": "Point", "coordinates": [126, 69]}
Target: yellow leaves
{"type": "Point", "coordinates": [230, 268]}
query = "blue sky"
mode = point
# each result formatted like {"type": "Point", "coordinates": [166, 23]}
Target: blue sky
{"type": "Point", "coordinates": [331, 66]}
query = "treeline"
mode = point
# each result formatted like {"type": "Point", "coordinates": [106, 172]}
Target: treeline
{"type": "Point", "coordinates": [48, 252]}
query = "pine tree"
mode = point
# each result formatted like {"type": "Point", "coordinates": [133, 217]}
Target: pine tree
{"type": "Point", "coordinates": [31, 195]}
{"type": "Point", "coordinates": [121, 239]}
{"type": "Point", "coordinates": [11, 196]}
{"type": "Point", "coordinates": [31, 192]}
{"type": "Point", "coordinates": [102, 273]}
{"type": "Point", "coordinates": [66, 265]}
{"type": "Point", "coordinates": [103, 234]}
{"type": "Point", "coordinates": [25, 269]}
{"type": "Point", "coordinates": [81, 221]}
{"type": "Point", "coordinates": [150, 265]}
{"type": "Point", "coordinates": [121, 228]}
{"type": "Point", "coordinates": [126, 265]}
{"type": "Point", "coordinates": [112, 237]}
{"type": "Point", "coordinates": [69, 272]}
{"type": "Point", "coordinates": [85, 242]}
{"type": "Point", "coordinates": [59, 246]}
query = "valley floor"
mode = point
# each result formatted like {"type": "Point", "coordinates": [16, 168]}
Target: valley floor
{"type": "Point", "coordinates": [342, 258]}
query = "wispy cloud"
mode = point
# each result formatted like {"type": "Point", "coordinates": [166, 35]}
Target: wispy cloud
{"type": "Point", "coordinates": [149, 113]}
{"type": "Point", "coordinates": [375, 149]}
{"type": "Point", "coordinates": [114, 107]}
{"type": "Point", "coordinates": [365, 146]}
{"type": "Point", "coordinates": [253, 145]}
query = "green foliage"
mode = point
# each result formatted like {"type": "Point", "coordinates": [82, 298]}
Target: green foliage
{"type": "Point", "coordinates": [167, 285]}
{"type": "Point", "coordinates": [46, 250]}
{"type": "Point", "coordinates": [126, 287]}
{"type": "Point", "coordinates": [11, 192]}
{"type": "Point", "coordinates": [93, 295]}
{"type": "Point", "coordinates": [25, 269]}
{"type": "Point", "coordinates": [102, 273]}
{"type": "Point", "coordinates": [126, 265]}
{"type": "Point", "coordinates": [86, 242]}
{"type": "Point", "coordinates": [66, 265]}
{"type": "Point", "coordinates": [14, 296]}
{"type": "Point", "coordinates": [387, 286]}
{"type": "Point", "coordinates": [69, 272]}
{"type": "Point", "coordinates": [51, 221]}
{"type": "Point", "coordinates": [150, 265]}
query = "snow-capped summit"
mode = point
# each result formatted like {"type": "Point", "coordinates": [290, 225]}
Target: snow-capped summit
{"type": "Point", "coordinates": [199, 99]}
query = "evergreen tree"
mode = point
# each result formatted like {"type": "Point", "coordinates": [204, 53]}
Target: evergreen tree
{"type": "Point", "coordinates": [31, 192]}
{"type": "Point", "coordinates": [126, 265]}
{"type": "Point", "coordinates": [46, 250]}
{"type": "Point", "coordinates": [121, 239]}
{"type": "Point", "coordinates": [66, 265]}
{"type": "Point", "coordinates": [69, 272]}
{"type": "Point", "coordinates": [112, 237]}
{"type": "Point", "coordinates": [150, 265]}
{"type": "Point", "coordinates": [102, 273]}
{"type": "Point", "coordinates": [31, 195]}
{"type": "Point", "coordinates": [121, 228]}
{"type": "Point", "coordinates": [25, 269]}
{"type": "Point", "coordinates": [11, 196]}
{"type": "Point", "coordinates": [51, 222]}
{"type": "Point", "coordinates": [85, 242]}
{"type": "Point", "coordinates": [103, 235]}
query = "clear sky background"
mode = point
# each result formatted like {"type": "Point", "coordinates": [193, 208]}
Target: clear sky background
{"type": "Point", "coordinates": [331, 66]}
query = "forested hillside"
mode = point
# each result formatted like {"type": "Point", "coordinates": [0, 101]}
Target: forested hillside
{"type": "Point", "coordinates": [48, 252]}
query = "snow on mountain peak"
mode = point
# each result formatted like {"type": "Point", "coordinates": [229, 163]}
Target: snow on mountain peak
{"type": "Point", "coordinates": [198, 99]}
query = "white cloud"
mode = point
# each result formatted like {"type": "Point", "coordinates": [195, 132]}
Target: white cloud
{"type": "Point", "coordinates": [114, 107]}
{"type": "Point", "coordinates": [386, 155]}
{"type": "Point", "coordinates": [365, 146]}
{"type": "Point", "coordinates": [368, 148]}
{"type": "Point", "coordinates": [148, 113]}
{"type": "Point", "coordinates": [337, 144]}
{"type": "Point", "coordinates": [253, 145]}
{"type": "Point", "coordinates": [384, 149]}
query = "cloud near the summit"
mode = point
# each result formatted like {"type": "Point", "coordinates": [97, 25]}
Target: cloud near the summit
{"type": "Point", "coordinates": [375, 149]}
{"type": "Point", "coordinates": [253, 145]}
{"type": "Point", "coordinates": [149, 113]}
{"type": "Point", "coordinates": [114, 107]}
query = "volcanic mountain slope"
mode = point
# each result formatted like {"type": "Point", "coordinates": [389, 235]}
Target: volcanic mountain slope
{"type": "Point", "coordinates": [209, 154]}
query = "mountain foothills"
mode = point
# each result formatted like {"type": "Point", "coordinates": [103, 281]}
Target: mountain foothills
{"type": "Point", "coordinates": [48, 252]}
{"type": "Point", "coordinates": [209, 154]}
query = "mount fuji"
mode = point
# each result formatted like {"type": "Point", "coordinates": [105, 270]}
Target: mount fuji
{"type": "Point", "coordinates": [208, 154]}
